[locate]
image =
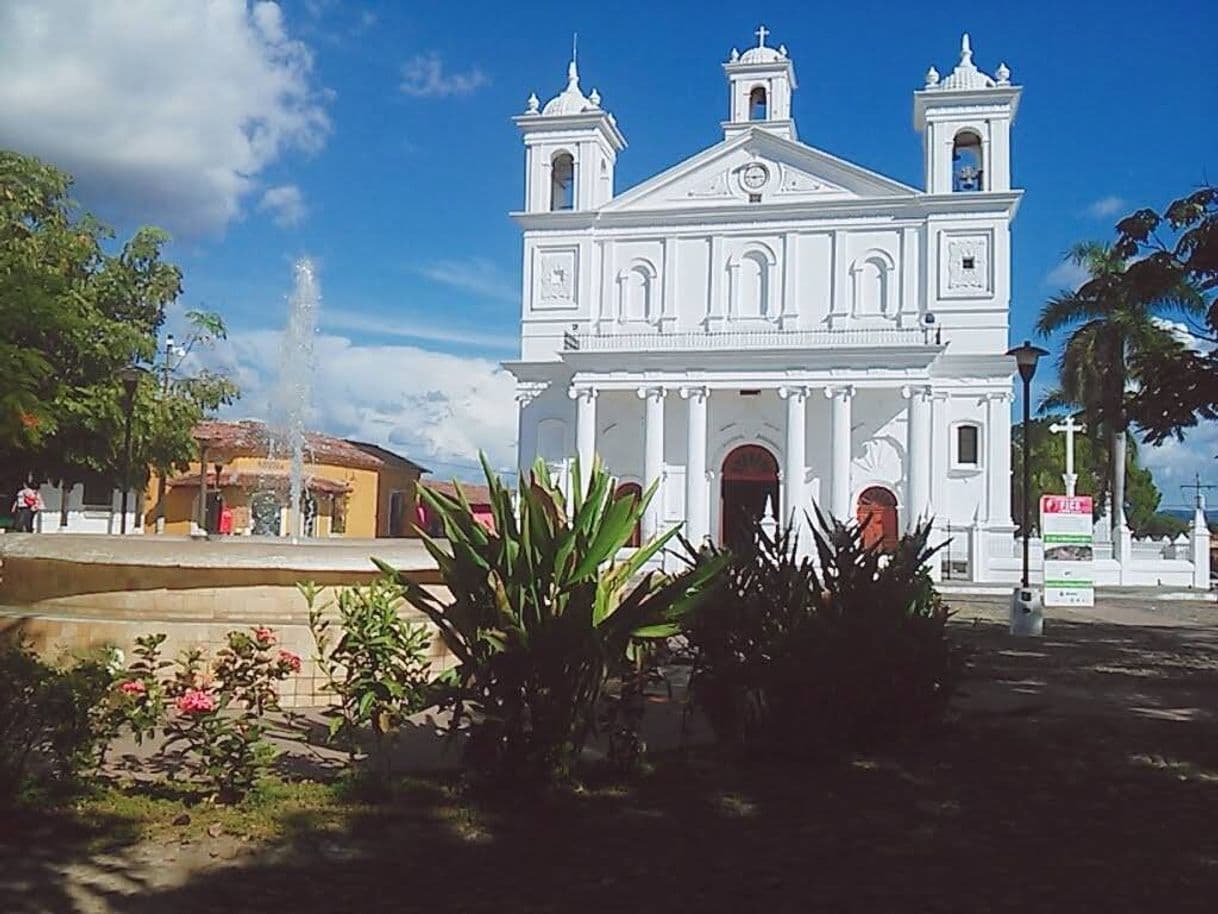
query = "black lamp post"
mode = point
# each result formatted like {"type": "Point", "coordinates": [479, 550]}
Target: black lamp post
{"type": "Point", "coordinates": [130, 376]}
{"type": "Point", "coordinates": [1026, 357]}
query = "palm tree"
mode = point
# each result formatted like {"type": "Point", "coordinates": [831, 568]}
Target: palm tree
{"type": "Point", "coordinates": [1112, 326]}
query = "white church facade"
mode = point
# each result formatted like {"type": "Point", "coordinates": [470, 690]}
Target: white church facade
{"type": "Point", "coordinates": [765, 326]}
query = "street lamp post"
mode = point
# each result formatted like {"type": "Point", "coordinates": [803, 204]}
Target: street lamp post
{"type": "Point", "coordinates": [1025, 602]}
{"type": "Point", "coordinates": [130, 376]}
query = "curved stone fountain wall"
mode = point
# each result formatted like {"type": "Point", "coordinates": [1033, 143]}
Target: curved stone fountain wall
{"type": "Point", "coordinates": [75, 593]}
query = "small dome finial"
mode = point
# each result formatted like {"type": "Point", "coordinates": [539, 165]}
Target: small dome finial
{"type": "Point", "coordinates": [966, 49]}
{"type": "Point", "coordinates": [572, 75]}
{"type": "Point", "coordinates": [932, 78]}
{"type": "Point", "coordinates": [734, 56]}
{"type": "Point", "coordinates": [534, 103]}
{"type": "Point", "coordinates": [595, 98]}
{"type": "Point", "coordinates": [1003, 73]}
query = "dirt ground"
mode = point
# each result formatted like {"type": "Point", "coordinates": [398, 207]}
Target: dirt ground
{"type": "Point", "coordinates": [1079, 772]}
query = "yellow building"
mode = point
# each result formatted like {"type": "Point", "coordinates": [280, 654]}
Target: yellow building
{"type": "Point", "coordinates": [353, 489]}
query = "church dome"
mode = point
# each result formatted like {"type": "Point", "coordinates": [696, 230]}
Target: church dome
{"type": "Point", "coordinates": [571, 100]}
{"type": "Point", "coordinates": [762, 55]}
{"type": "Point", "coordinates": [966, 75]}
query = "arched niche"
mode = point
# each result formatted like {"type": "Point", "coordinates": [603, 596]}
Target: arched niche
{"type": "Point", "coordinates": [637, 289]}
{"type": "Point", "coordinates": [873, 285]}
{"type": "Point", "coordinates": [751, 277]}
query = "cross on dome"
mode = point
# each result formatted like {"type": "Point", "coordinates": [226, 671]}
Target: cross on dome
{"type": "Point", "coordinates": [763, 53]}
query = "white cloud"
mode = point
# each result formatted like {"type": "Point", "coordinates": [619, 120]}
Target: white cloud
{"type": "Point", "coordinates": [416, 330]}
{"type": "Point", "coordinates": [1176, 463]}
{"type": "Point", "coordinates": [1067, 275]}
{"type": "Point", "coordinates": [286, 205]}
{"type": "Point", "coordinates": [165, 112]}
{"type": "Point", "coordinates": [425, 405]}
{"type": "Point", "coordinates": [423, 76]}
{"type": "Point", "coordinates": [1105, 207]}
{"type": "Point", "coordinates": [473, 274]}
{"type": "Point", "coordinates": [1184, 334]}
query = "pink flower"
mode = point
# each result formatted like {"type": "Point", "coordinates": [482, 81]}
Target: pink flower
{"type": "Point", "coordinates": [196, 701]}
{"type": "Point", "coordinates": [264, 635]}
{"type": "Point", "coordinates": [290, 660]}
{"type": "Point", "coordinates": [134, 687]}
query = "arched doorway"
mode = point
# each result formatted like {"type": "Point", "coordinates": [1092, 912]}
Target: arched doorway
{"type": "Point", "coordinates": [635, 491]}
{"type": "Point", "coordinates": [750, 476]}
{"type": "Point", "coordinates": [877, 515]}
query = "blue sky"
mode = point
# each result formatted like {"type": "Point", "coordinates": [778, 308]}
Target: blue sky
{"type": "Point", "coordinates": [387, 152]}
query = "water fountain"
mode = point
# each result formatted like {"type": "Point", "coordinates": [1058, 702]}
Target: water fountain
{"type": "Point", "coordinates": [74, 592]}
{"type": "Point", "coordinates": [294, 392]}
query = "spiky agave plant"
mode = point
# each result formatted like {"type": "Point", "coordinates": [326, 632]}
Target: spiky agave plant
{"type": "Point", "coordinates": [542, 611]}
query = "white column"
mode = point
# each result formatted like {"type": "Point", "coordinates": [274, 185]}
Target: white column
{"type": "Point", "coordinates": [940, 458]}
{"type": "Point", "coordinates": [998, 459]}
{"type": "Point", "coordinates": [653, 455]}
{"type": "Point", "coordinates": [585, 430]}
{"type": "Point", "coordinates": [697, 509]}
{"type": "Point", "coordinates": [793, 505]}
{"type": "Point", "coordinates": [840, 446]}
{"type": "Point", "coordinates": [917, 454]}
{"type": "Point", "coordinates": [1199, 546]}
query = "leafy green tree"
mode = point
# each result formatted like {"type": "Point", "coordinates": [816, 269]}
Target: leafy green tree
{"type": "Point", "coordinates": [72, 313]}
{"type": "Point", "coordinates": [1114, 326]}
{"type": "Point", "coordinates": [1178, 385]}
{"type": "Point", "coordinates": [1091, 455]}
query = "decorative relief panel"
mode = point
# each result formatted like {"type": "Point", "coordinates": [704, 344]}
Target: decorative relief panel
{"type": "Point", "coordinates": [555, 279]}
{"type": "Point", "coordinates": [714, 187]}
{"type": "Point", "coordinates": [965, 265]}
{"type": "Point", "coordinates": [798, 182]}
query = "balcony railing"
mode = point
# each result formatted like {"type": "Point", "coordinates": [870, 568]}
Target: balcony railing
{"type": "Point", "coordinates": [852, 337]}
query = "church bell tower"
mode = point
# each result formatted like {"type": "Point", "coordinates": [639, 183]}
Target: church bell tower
{"type": "Point", "coordinates": [760, 83]}
{"type": "Point", "coordinates": [965, 121]}
{"type": "Point", "coordinates": [571, 146]}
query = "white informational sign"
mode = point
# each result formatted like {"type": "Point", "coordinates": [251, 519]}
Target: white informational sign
{"type": "Point", "coordinates": [1065, 528]}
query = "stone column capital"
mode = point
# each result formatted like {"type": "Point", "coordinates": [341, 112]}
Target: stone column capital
{"type": "Point", "coordinates": [917, 391]}
{"type": "Point", "coordinates": [582, 393]}
{"type": "Point", "coordinates": [797, 393]}
{"type": "Point", "coordinates": [839, 391]}
{"type": "Point", "coordinates": [652, 392]}
{"type": "Point", "coordinates": [695, 392]}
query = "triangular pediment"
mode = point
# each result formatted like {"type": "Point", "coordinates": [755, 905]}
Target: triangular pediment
{"type": "Point", "coordinates": [757, 163]}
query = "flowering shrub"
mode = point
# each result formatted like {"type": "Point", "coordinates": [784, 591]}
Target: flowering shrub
{"type": "Point", "coordinates": [212, 714]}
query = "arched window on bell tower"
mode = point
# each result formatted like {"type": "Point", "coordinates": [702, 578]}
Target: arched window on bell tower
{"type": "Point", "coordinates": [562, 182]}
{"type": "Point", "coordinates": [758, 106]}
{"type": "Point", "coordinates": [968, 168]}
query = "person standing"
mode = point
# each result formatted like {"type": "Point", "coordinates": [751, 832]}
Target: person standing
{"type": "Point", "coordinates": [25, 506]}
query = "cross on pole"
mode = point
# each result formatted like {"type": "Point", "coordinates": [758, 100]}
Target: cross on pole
{"type": "Point", "coordinates": [761, 32]}
{"type": "Point", "coordinates": [1069, 427]}
{"type": "Point", "coordinates": [1198, 488]}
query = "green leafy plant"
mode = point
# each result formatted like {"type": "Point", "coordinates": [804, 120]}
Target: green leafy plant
{"type": "Point", "coordinates": [56, 719]}
{"type": "Point", "coordinates": [375, 663]}
{"type": "Point", "coordinates": [542, 613]}
{"type": "Point", "coordinates": [801, 657]}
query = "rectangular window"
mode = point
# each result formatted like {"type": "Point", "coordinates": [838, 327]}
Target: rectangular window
{"type": "Point", "coordinates": [338, 520]}
{"type": "Point", "coordinates": [967, 445]}
{"type": "Point", "coordinates": [99, 493]}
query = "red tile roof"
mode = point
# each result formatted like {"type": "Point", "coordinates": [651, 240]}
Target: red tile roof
{"type": "Point", "coordinates": [250, 438]}
{"type": "Point", "coordinates": [475, 494]}
{"type": "Point", "coordinates": [259, 479]}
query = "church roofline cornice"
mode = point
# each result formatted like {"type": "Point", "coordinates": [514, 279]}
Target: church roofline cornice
{"type": "Point", "coordinates": [912, 206]}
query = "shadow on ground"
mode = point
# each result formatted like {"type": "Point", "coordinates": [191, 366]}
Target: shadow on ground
{"type": "Point", "coordinates": [1080, 774]}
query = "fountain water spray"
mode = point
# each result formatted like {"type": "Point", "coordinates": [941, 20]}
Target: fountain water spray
{"type": "Point", "coordinates": [294, 394]}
